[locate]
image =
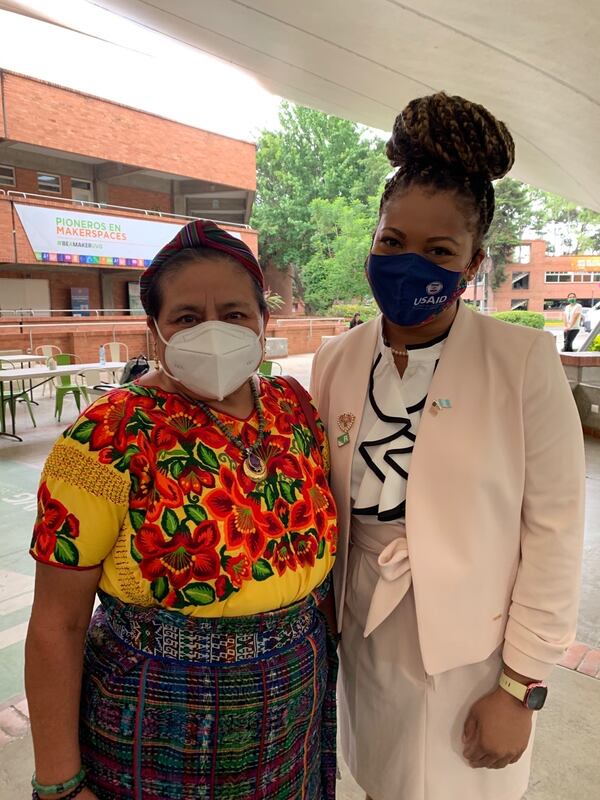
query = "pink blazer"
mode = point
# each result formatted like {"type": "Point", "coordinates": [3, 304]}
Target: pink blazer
{"type": "Point", "coordinates": [495, 497]}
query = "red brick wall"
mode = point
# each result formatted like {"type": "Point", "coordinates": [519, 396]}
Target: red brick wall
{"type": "Point", "coordinates": [303, 335]}
{"type": "Point", "coordinates": [41, 114]}
{"type": "Point", "coordinates": [540, 263]}
{"type": "Point", "coordinates": [138, 198]}
{"type": "Point", "coordinates": [7, 252]}
{"type": "Point", "coordinates": [2, 120]}
{"type": "Point", "coordinates": [83, 338]}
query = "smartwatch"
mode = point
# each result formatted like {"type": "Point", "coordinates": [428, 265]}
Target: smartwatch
{"type": "Point", "coordinates": [531, 695]}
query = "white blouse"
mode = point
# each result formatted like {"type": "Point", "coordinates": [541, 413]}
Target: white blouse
{"type": "Point", "coordinates": [388, 430]}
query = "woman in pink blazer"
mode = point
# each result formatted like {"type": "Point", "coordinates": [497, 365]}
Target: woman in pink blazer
{"type": "Point", "coordinates": [458, 473]}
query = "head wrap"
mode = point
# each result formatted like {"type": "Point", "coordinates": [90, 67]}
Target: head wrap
{"type": "Point", "coordinates": [201, 233]}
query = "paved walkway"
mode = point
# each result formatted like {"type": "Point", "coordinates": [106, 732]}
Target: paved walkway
{"type": "Point", "coordinates": [566, 755]}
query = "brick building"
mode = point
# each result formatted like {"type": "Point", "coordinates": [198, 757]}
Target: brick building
{"type": "Point", "coordinates": [536, 281]}
{"type": "Point", "coordinates": [89, 190]}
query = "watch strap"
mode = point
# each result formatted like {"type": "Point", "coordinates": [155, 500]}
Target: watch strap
{"type": "Point", "coordinates": [510, 685]}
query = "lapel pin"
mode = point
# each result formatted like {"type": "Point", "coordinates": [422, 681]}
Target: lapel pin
{"type": "Point", "coordinates": [345, 422]}
{"type": "Point", "coordinates": [441, 404]}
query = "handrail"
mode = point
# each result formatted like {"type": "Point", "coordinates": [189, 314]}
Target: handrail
{"type": "Point", "coordinates": [107, 206]}
{"type": "Point", "coordinates": [71, 312]}
{"type": "Point", "coordinates": [300, 320]}
{"type": "Point", "coordinates": [102, 324]}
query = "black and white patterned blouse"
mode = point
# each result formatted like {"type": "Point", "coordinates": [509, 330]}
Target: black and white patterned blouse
{"type": "Point", "coordinates": [388, 430]}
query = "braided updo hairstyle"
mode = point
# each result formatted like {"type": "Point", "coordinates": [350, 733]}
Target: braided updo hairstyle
{"type": "Point", "coordinates": [447, 143]}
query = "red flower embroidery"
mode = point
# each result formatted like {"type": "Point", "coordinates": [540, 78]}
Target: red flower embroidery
{"type": "Point", "coordinates": [52, 518]}
{"type": "Point", "coordinates": [282, 409]}
{"type": "Point", "coordinates": [112, 417]}
{"type": "Point", "coordinates": [306, 547]}
{"type": "Point", "coordinates": [332, 538]}
{"type": "Point", "coordinates": [181, 557]}
{"type": "Point", "coordinates": [180, 422]}
{"type": "Point", "coordinates": [239, 570]}
{"type": "Point", "coordinates": [283, 557]}
{"type": "Point", "coordinates": [246, 525]}
{"type": "Point", "coordinates": [318, 501]}
{"type": "Point", "coordinates": [194, 479]}
{"type": "Point", "coordinates": [152, 488]}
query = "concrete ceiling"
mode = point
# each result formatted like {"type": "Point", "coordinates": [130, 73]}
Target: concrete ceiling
{"type": "Point", "coordinates": [534, 63]}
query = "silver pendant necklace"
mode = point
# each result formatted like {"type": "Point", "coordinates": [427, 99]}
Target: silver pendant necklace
{"type": "Point", "coordinates": [253, 465]}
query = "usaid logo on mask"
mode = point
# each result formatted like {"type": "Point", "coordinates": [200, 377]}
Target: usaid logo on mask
{"type": "Point", "coordinates": [434, 288]}
{"type": "Point", "coordinates": [410, 289]}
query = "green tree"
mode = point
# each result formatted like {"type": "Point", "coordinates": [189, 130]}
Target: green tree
{"type": "Point", "coordinates": [313, 156]}
{"type": "Point", "coordinates": [576, 227]}
{"type": "Point", "coordinates": [342, 231]}
{"type": "Point", "coordinates": [514, 213]}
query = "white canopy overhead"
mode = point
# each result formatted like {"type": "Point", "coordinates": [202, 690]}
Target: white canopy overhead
{"type": "Point", "coordinates": [535, 64]}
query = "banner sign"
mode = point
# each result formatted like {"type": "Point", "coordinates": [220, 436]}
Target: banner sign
{"type": "Point", "coordinates": [72, 237]}
{"type": "Point", "coordinates": [586, 263]}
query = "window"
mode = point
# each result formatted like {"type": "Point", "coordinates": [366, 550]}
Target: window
{"type": "Point", "coordinates": [571, 277]}
{"type": "Point", "coordinates": [48, 183]}
{"type": "Point", "coordinates": [77, 183]}
{"type": "Point", "coordinates": [81, 190]}
{"type": "Point", "coordinates": [519, 305]}
{"type": "Point", "coordinates": [522, 254]}
{"type": "Point", "coordinates": [7, 176]}
{"type": "Point", "coordinates": [520, 280]}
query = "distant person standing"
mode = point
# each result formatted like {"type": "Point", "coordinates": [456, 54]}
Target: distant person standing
{"type": "Point", "coordinates": [572, 315]}
{"type": "Point", "coordinates": [356, 320]}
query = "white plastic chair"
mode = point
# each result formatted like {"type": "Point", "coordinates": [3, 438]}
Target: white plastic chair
{"type": "Point", "coordinates": [47, 350]}
{"type": "Point", "coordinates": [114, 351]}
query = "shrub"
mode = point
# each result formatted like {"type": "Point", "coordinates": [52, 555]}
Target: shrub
{"type": "Point", "coordinates": [529, 318]}
{"type": "Point", "coordinates": [595, 345]}
{"type": "Point", "coordinates": [349, 310]}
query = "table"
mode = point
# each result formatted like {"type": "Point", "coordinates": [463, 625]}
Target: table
{"type": "Point", "coordinates": [24, 357]}
{"type": "Point", "coordinates": [42, 375]}
{"type": "Point", "coordinates": [21, 358]}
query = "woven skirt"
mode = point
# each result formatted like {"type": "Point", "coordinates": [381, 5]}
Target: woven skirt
{"type": "Point", "coordinates": [232, 708]}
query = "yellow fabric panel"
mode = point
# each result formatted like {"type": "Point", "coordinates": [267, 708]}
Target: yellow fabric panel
{"type": "Point", "coordinates": [83, 499]}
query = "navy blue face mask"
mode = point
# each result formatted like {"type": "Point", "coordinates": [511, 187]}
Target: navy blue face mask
{"type": "Point", "coordinates": [410, 290]}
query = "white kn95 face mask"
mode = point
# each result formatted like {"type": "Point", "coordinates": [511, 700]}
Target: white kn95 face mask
{"type": "Point", "coordinates": [212, 359]}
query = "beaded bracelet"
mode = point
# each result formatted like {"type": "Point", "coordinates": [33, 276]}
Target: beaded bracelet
{"type": "Point", "coordinates": [57, 788]}
{"type": "Point", "coordinates": [76, 791]}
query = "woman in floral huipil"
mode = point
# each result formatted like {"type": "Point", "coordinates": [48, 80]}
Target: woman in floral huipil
{"type": "Point", "coordinates": [196, 502]}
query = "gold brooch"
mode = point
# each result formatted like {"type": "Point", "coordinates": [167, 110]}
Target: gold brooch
{"type": "Point", "coordinates": [345, 422]}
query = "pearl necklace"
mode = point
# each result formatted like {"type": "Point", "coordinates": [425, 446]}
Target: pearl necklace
{"type": "Point", "coordinates": [401, 353]}
{"type": "Point", "coordinates": [254, 466]}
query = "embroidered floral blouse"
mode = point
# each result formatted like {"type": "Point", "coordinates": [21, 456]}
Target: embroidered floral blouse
{"type": "Point", "coordinates": [146, 486]}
